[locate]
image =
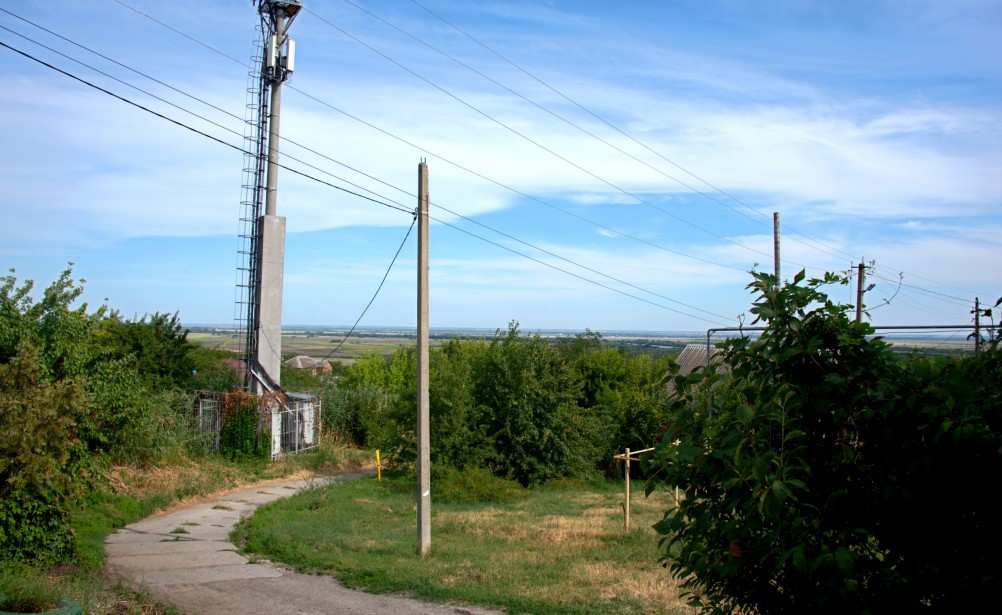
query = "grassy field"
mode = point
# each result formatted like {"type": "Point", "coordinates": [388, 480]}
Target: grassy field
{"type": "Point", "coordinates": [559, 549]}
{"type": "Point", "coordinates": [317, 346]}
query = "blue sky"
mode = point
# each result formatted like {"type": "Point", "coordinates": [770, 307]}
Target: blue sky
{"type": "Point", "coordinates": [640, 146]}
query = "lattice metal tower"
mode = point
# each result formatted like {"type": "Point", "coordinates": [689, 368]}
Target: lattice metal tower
{"type": "Point", "coordinates": [262, 235]}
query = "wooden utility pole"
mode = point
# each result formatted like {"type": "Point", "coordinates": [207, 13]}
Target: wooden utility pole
{"type": "Point", "coordinates": [423, 439]}
{"type": "Point", "coordinates": [861, 279]}
{"type": "Point", "coordinates": [775, 245]}
{"type": "Point", "coordinates": [977, 325]}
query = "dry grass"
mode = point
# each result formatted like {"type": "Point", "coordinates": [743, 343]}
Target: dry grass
{"type": "Point", "coordinates": [597, 519]}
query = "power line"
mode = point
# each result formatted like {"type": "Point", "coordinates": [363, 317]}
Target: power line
{"type": "Point", "coordinates": [295, 171]}
{"type": "Point", "coordinates": [376, 294]}
{"type": "Point", "coordinates": [623, 133]}
{"type": "Point", "coordinates": [929, 280]}
{"type": "Point", "coordinates": [554, 267]}
{"type": "Point", "coordinates": [490, 117]}
{"type": "Point", "coordinates": [500, 184]}
{"type": "Point", "coordinates": [550, 253]}
{"type": "Point", "coordinates": [586, 268]}
{"type": "Point", "coordinates": [544, 109]}
{"type": "Point", "coordinates": [183, 93]}
{"type": "Point", "coordinates": [961, 300]}
{"type": "Point", "coordinates": [187, 127]}
{"type": "Point", "coordinates": [461, 167]}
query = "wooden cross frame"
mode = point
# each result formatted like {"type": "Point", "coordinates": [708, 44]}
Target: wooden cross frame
{"type": "Point", "coordinates": [627, 457]}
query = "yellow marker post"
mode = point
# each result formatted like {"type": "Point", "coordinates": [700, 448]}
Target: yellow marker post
{"type": "Point", "coordinates": [379, 468]}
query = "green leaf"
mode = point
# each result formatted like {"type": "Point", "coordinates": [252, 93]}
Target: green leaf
{"type": "Point", "coordinates": [780, 490]}
{"type": "Point", "coordinates": [844, 559]}
{"type": "Point", "coordinates": [745, 414]}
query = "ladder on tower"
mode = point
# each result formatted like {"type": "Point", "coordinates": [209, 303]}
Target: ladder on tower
{"type": "Point", "coordinates": [248, 285]}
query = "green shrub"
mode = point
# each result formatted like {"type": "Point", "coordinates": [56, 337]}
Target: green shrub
{"type": "Point", "coordinates": [42, 471]}
{"type": "Point", "coordinates": [473, 485]}
{"type": "Point", "coordinates": [526, 394]}
{"type": "Point", "coordinates": [240, 433]}
{"type": "Point", "coordinates": [832, 476]}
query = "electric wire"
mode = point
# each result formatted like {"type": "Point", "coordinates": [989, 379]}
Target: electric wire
{"type": "Point", "coordinates": [544, 109]}
{"type": "Point", "coordinates": [505, 186]}
{"type": "Point", "coordinates": [192, 129]}
{"type": "Point", "coordinates": [297, 172]}
{"type": "Point", "coordinates": [461, 167]}
{"type": "Point", "coordinates": [286, 141]}
{"type": "Point", "coordinates": [376, 294]}
{"type": "Point", "coordinates": [618, 130]}
{"type": "Point", "coordinates": [178, 32]}
{"type": "Point", "coordinates": [570, 273]}
{"type": "Point", "coordinates": [444, 159]}
{"type": "Point", "coordinates": [539, 145]}
{"type": "Point", "coordinates": [342, 179]}
{"type": "Point", "coordinates": [944, 296]}
{"type": "Point", "coordinates": [621, 131]}
{"type": "Point", "coordinates": [887, 267]}
{"type": "Point", "coordinates": [585, 267]}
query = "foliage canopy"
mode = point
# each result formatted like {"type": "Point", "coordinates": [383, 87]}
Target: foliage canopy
{"type": "Point", "coordinates": [833, 476]}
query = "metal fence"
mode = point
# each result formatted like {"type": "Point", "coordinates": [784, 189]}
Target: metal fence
{"type": "Point", "coordinates": [209, 417]}
{"type": "Point", "coordinates": [294, 426]}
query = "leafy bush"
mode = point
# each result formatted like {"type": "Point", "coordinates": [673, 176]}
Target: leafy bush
{"type": "Point", "coordinates": [240, 433]}
{"type": "Point", "coordinates": [526, 394]}
{"type": "Point", "coordinates": [41, 470]}
{"type": "Point", "coordinates": [78, 389]}
{"type": "Point", "coordinates": [210, 372]}
{"type": "Point", "coordinates": [46, 417]}
{"type": "Point", "coordinates": [816, 484]}
{"type": "Point", "coordinates": [516, 405]}
{"type": "Point", "coordinates": [156, 346]}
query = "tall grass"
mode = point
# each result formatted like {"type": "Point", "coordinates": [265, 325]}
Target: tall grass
{"type": "Point", "coordinates": [560, 549]}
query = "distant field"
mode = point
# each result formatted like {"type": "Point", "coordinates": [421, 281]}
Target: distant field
{"type": "Point", "coordinates": [320, 342]}
{"type": "Point", "coordinates": [317, 346]}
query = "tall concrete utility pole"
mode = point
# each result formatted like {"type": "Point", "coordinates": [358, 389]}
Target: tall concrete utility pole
{"type": "Point", "coordinates": [277, 15]}
{"type": "Point", "coordinates": [977, 325]}
{"type": "Point", "coordinates": [861, 279]}
{"type": "Point", "coordinates": [775, 246]}
{"type": "Point", "coordinates": [423, 437]}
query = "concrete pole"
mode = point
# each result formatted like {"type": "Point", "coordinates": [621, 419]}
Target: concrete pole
{"type": "Point", "coordinates": [861, 279]}
{"type": "Point", "coordinates": [274, 121]}
{"type": "Point", "coordinates": [775, 245]}
{"type": "Point", "coordinates": [423, 438]}
{"type": "Point", "coordinates": [977, 325]}
{"type": "Point", "coordinates": [271, 251]}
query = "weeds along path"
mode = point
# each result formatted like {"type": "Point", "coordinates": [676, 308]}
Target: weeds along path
{"type": "Point", "coordinates": [185, 558]}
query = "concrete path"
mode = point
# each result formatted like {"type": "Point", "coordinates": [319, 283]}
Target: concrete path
{"type": "Point", "coordinates": [200, 572]}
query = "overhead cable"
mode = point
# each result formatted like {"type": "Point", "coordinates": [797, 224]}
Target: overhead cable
{"type": "Point", "coordinates": [623, 132]}
{"type": "Point", "coordinates": [491, 180]}
{"type": "Point", "coordinates": [539, 145]}
{"type": "Point", "coordinates": [295, 171]}
{"type": "Point", "coordinates": [376, 294]}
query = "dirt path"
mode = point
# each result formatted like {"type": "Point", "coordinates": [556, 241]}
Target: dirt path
{"type": "Point", "coordinates": [185, 558]}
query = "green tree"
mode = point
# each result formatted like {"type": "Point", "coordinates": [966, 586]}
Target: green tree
{"type": "Point", "coordinates": [46, 416]}
{"type": "Point", "coordinates": [156, 345]}
{"type": "Point", "coordinates": [814, 486]}
{"type": "Point", "coordinates": [527, 394]}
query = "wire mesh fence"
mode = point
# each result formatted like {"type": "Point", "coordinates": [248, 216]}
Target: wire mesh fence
{"type": "Point", "coordinates": [291, 426]}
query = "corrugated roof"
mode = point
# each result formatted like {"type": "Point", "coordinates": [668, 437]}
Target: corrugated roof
{"type": "Point", "coordinates": [693, 357]}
